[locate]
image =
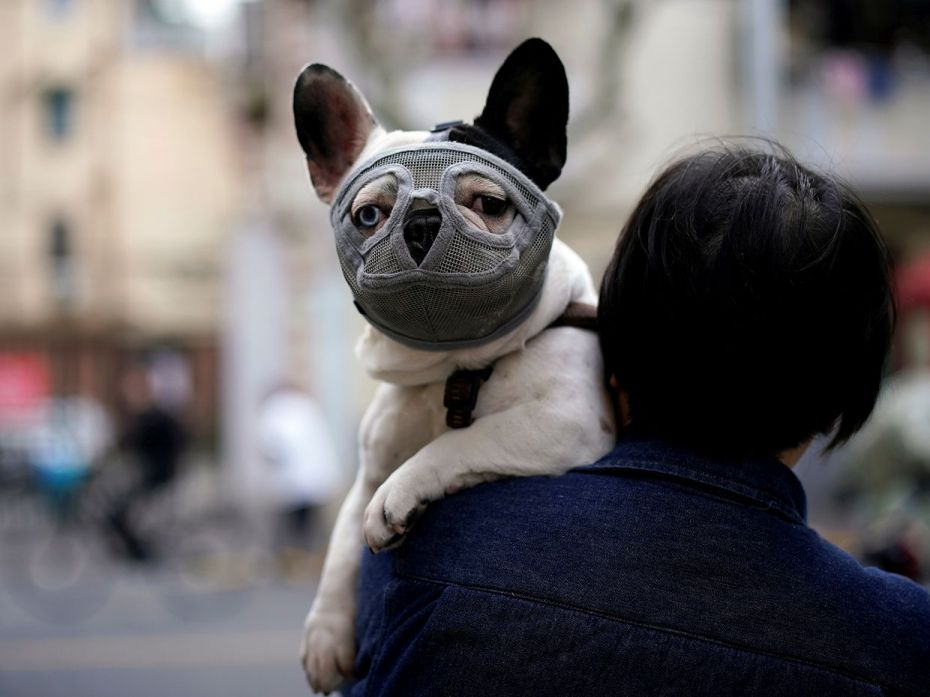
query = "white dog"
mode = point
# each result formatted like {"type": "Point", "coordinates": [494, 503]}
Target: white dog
{"type": "Point", "coordinates": [447, 242]}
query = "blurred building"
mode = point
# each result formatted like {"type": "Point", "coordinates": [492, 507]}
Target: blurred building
{"type": "Point", "coordinates": [118, 186]}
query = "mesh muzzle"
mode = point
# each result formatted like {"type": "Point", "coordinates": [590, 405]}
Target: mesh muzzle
{"type": "Point", "coordinates": [472, 286]}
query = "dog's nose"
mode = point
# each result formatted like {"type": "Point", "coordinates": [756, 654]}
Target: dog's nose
{"type": "Point", "coordinates": [420, 229]}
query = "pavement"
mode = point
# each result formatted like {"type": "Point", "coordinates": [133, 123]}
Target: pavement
{"type": "Point", "coordinates": [144, 631]}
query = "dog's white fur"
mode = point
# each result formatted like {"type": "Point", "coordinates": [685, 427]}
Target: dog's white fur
{"type": "Point", "coordinates": [543, 411]}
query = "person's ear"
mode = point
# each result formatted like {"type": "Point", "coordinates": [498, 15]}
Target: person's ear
{"type": "Point", "coordinates": [527, 109]}
{"type": "Point", "coordinates": [621, 400]}
{"type": "Point", "coordinates": [334, 122]}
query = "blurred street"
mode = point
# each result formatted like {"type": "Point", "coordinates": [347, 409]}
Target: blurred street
{"type": "Point", "coordinates": [145, 641]}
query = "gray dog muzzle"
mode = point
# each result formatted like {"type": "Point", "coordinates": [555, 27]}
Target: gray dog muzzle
{"type": "Point", "coordinates": [472, 286]}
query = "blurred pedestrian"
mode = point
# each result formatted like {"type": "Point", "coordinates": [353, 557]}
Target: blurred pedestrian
{"type": "Point", "coordinates": [303, 471]}
{"type": "Point", "coordinates": [155, 438]}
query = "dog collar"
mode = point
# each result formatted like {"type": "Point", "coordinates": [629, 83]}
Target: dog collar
{"type": "Point", "coordinates": [462, 387]}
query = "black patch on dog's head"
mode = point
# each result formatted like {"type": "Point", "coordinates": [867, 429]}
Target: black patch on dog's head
{"type": "Point", "coordinates": [480, 138]}
{"type": "Point", "coordinates": [526, 113]}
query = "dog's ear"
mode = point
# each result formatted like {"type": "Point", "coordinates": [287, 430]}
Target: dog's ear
{"type": "Point", "coordinates": [333, 123]}
{"type": "Point", "coordinates": [527, 109]}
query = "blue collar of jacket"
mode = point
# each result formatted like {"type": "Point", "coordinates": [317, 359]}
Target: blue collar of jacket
{"type": "Point", "coordinates": [763, 480]}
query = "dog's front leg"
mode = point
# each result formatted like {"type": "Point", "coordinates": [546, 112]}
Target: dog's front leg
{"type": "Point", "coordinates": [327, 652]}
{"type": "Point", "coordinates": [395, 426]}
{"type": "Point", "coordinates": [532, 438]}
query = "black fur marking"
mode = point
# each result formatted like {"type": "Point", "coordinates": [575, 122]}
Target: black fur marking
{"type": "Point", "coordinates": [527, 111]}
{"type": "Point", "coordinates": [480, 138]}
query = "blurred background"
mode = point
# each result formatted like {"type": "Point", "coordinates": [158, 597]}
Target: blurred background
{"type": "Point", "coordinates": [178, 391]}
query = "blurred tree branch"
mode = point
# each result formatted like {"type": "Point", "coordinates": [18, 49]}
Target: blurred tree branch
{"type": "Point", "coordinates": [622, 15]}
{"type": "Point", "coordinates": [388, 55]}
{"type": "Point", "coordinates": [373, 48]}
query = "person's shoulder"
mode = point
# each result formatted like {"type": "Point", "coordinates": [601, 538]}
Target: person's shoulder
{"type": "Point", "coordinates": [501, 534]}
{"type": "Point", "coordinates": [894, 601]}
{"type": "Point", "coordinates": [594, 541]}
{"type": "Point", "coordinates": [512, 503]}
{"type": "Point", "coordinates": [882, 618]}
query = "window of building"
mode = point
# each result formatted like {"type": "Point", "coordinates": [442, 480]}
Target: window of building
{"type": "Point", "coordinates": [59, 8]}
{"type": "Point", "coordinates": [59, 112]}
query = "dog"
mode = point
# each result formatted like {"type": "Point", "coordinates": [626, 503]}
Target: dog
{"type": "Point", "coordinates": [447, 242]}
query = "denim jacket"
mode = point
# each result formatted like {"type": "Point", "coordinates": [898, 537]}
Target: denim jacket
{"type": "Point", "coordinates": [655, 571]}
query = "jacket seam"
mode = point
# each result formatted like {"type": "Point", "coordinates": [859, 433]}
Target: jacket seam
{"type": "Point", "coordinates": [683, 474]}
{"type": "Point", "coordinates": [659, 628]}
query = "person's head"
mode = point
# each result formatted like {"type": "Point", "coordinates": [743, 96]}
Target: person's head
{"type": "Point", "coordinates": [747, 306]}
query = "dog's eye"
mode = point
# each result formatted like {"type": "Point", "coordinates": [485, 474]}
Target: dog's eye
{"type": "Point", "coordinates": [484, 203]}
{"type": "Point", "coordinates": [490, 205]}
{"type": "Point", "coordinates": [367, 217]}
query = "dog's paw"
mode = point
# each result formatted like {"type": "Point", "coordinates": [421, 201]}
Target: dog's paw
{"type": "Point", "coordinates": [389, 516]}
{"type": "Point", "coordinates": [327, 652]}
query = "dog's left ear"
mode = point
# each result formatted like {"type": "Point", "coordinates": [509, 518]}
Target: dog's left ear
{"type": "Point", "coordinates": [333, 122]}
{"type": "Point", "coordinates": [527, 109]}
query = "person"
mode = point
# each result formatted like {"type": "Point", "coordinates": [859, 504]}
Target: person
{"type": "Point", "coordinates": [746, 308]}
{"type": "Point", "coordinates": [156, 439]}
{"type": "Point", "coordinates": [301, 468]}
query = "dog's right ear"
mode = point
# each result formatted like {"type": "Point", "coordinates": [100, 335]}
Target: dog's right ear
{"type": "Point", "coordinates": [333, 123]}
{"type": "Point", "coordinates": [527, 109]}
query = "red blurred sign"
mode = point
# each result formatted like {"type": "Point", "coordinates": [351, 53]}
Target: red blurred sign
{"type": "Point", "coordinates": [912, 284]}
{"type": "Point", "coordinates": [24, 380]}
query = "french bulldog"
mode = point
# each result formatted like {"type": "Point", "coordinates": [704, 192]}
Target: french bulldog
{"type": "Point", "coordinates": [447, 242]}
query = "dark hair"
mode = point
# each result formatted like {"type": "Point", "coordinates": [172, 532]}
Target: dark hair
{"type": "Point", "coordinates": [747, 306]}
